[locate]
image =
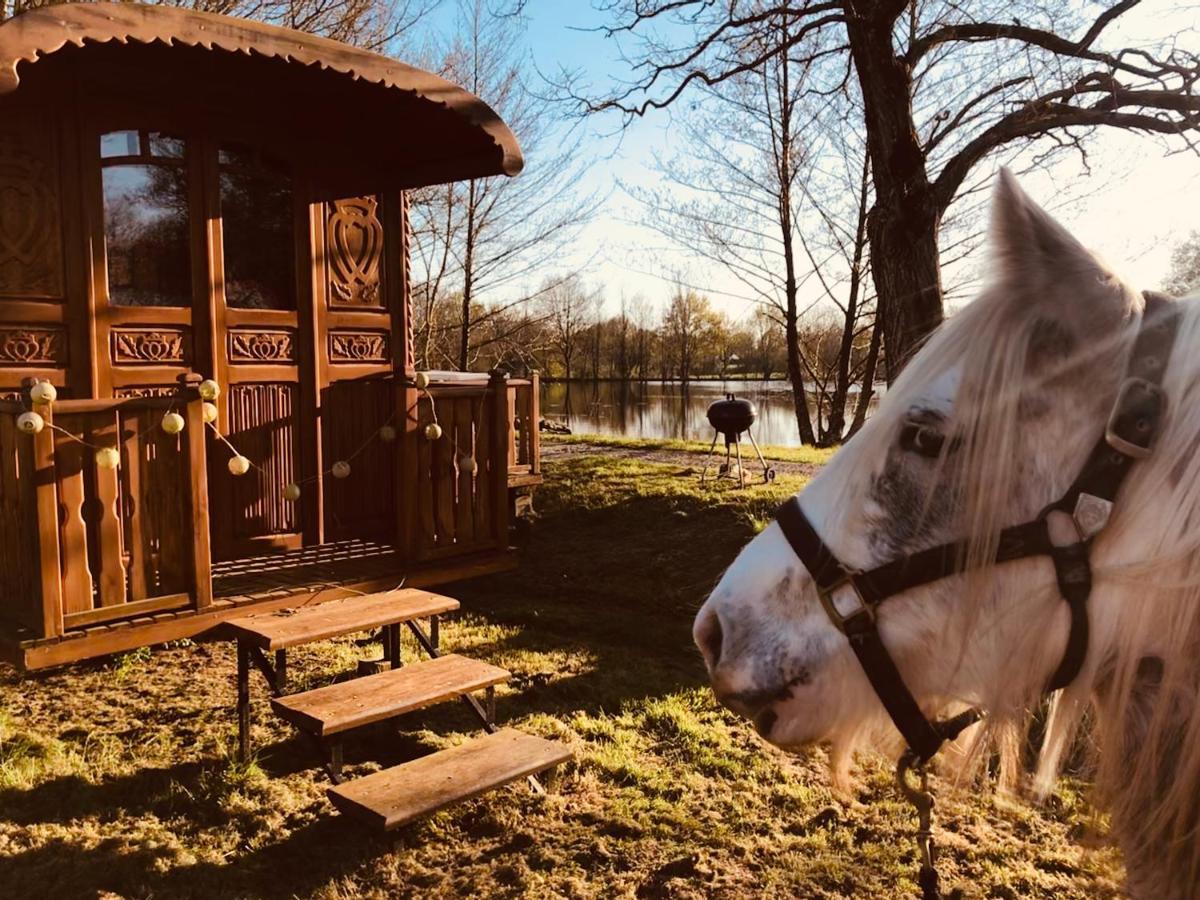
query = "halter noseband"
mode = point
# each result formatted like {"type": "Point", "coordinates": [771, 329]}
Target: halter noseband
{"type": "Point", "coordinates": [850, 598]}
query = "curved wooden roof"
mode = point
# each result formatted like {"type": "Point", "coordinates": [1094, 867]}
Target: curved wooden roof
{"type": "Point", "coordinates": [28, 37]}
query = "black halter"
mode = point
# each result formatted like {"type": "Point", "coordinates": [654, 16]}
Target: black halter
{"type": "Point", "coordinates": [851, 598]}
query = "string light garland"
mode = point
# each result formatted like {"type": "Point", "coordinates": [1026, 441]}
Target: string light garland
{"type": "Point", "coordinates": [172, 423]}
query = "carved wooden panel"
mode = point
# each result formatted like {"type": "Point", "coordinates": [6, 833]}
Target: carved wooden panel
{"type": "Point", "coordinates": [30, 233]}
{"type": "Point", "coordinates": [359, 347]}
{"type": "Point", "coordinates": [34, 345]}
{"type": "Point", "coordinates": [146, 391]}
{"type": "Point", "coordinates": [362, 505]}
{"type": "Point", "coordinates": [262, 346]}
{"type": "Point", "coordinates": [354, 239]}
{"type": "Point", "coordinates": [263, 428]}
{"type": "Point", "coordinates": [151, 346]}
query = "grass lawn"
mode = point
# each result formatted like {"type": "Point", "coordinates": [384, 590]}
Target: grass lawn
{"type": "Point", "coordinates": [116, 778]}
{"type": "Point", "coordinates": [810, 455]}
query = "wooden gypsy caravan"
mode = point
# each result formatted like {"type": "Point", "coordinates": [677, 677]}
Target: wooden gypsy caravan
{"type": "Point", "coordinates": [186, 197]}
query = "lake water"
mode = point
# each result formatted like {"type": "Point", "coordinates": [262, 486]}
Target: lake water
{"type": "Point", "coordinates": [657, 409]}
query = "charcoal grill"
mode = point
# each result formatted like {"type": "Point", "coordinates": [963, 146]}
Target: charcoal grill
{"type": "Point", "coordinates": [731, 418]}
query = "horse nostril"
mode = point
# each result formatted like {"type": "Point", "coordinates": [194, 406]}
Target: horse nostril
{"type": "Point", "coordinates": [709, 638]}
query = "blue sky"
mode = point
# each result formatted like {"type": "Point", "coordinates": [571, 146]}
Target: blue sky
{"type": "Point", "coordinates": [1137, 204]}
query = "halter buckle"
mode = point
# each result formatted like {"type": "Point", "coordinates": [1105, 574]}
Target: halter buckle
{"type": "Point", "coordinates": [844, 603]}
{"type": "Point", "coordinates": [1143, 412]}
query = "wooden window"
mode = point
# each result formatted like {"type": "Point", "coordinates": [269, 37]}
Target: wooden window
{"type": "Point", "coordinates": [258, 226]}
{"type": "Point", "coordinates": [146, 219]}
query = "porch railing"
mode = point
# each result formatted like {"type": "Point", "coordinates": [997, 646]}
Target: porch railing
{"type": "Point", "coordinates": [119, 542]}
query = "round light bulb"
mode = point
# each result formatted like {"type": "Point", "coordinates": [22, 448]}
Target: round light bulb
{"type": "Point", "coordinates": [387, 434]}
{"type": "Point", "coordinates": [172, 423]}
{"type": "Point", "coordinates": [210, 412]}
{"type": "Point", "coordinates": [291, 492]}
{"type": "Point", "coordinates": [421, 380]}
{"type": "Point", "coordinates": [43, 392]}
{"type": "Point", "coordinates": [238, 465]}
{"type": "Point", "coordinates": [341, 469]}
{"type": "Point", "coordinates": [209, 389]}
{"type": "Point", "coordinates": [30, 423]}
{"type": "Point", "coordinates": [433, 431]}
{"type": "Point", "coordinates": [467, 464]}
{"type": "Point", "coordinates": [108, 457]}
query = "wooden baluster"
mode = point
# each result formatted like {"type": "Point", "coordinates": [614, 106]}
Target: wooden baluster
{"type": "Point", "coordinates": [76, 576]}
{"type": "Point", "coordinates": [502, 436]}
{"type": "Point", "coordinates": [535, 423]}
{"type": "Point", "coordinates": [443, 472]}
{"type": "Point", "coordinates": [108, 523]}
{"type": "Point", "coordinates": [424, 499]}
{"type": "Point", "coordinates": [47, 524]}
{"type": "Point", "coordinates": [406, 484]}
{"type": "Point", "coordinates": [484, 442]}
{"type": "Point", "coordinates": [133, 463]}
{"type": "Point", "coordinates": [196, 473]}
{"type": "Point", "coordinates": [464, 521]}
{"type": "Point", "coordinates": [510, 434]}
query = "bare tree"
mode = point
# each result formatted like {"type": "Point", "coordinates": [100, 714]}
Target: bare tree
{"type": "Point", "coordinates": [485, 238]}
{"type": "Point", "coordinates": [687, 325]}
{"type": "Point", "coordinates": [940, 85]}
{"type": "Point", "coordinates": [1184, 274]}
{"type": "Point", "coordinates": [566, 306]}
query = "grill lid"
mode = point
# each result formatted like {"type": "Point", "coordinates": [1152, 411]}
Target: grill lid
{"type": "Point", "coordinates": [732, 416]}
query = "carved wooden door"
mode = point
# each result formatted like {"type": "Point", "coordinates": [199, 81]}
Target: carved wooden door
{"type": "Point", "coordinates": [260, 249]}
{"type": "Point", "coordinates": [357, 396]}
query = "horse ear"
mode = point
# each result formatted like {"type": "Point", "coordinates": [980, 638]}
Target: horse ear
{"type": "Point", "coordinates": [1028, 242]}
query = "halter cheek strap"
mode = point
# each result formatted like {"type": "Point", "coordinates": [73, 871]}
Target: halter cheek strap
{"type": "Point", "coordinates": [851, 598]}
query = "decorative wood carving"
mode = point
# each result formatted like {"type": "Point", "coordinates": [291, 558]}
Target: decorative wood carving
{"type": "Point", "coordinates": [30, 236]}
{"type": "Point", "coordinates": [33, 346]}
{"type": "Point", "coordinates": [261, 346]}
{"type": "Point", "coordinates": [359, 347]}
{"type": "Point", "coordinates": [147, 391]}
{"type": "Point", "coordinates": [151, 346]}
{"type": "Point", "coordinates": [355, 251]}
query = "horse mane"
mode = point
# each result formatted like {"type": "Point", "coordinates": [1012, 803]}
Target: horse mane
{"type": "Point", "coordinates": [1142, 675]}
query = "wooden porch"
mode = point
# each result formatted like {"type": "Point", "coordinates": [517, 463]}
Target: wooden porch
{"type": "Point", "coordinates": [96, 560]}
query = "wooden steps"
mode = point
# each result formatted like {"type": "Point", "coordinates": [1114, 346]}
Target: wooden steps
{"type": "Point", "coordinates": [289, 628]}
{"type": "Point", "coordinates": [362, 701]}
{"type": "Point", "coordinates": [390, 798]}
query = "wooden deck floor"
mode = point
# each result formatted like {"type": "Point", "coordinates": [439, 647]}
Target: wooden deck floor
{"type": "Point", "coordinates": [264, 583]}
{"type": "Point", "coordinates": [306, 570]}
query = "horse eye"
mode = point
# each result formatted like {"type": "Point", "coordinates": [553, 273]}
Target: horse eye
{"type": "Point", "coordinates": [921, 440]}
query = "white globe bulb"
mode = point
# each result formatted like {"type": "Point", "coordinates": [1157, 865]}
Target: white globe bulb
{"type": "Point", "coordinates": [30, 423]}
{"type": "Point", "coordinates": [209, 389]}
{"type": "Point", "coordinates": [433, 431]}
{"type": "Point", "coordinates": [172, 423]}
{"type": "Point", "coordinates": [210, 412]}
{"type": "Point", "coordinates": [291, 492]}
{"type": "Point", "coordinates": [387, 434]}
{"type": "Point", "coordinates": [238, 465]}
{"type": "Point", "coordinates": [43, 392]}
{"type": "Point", "coordinates": [341, 469]}
{"type": "Point", "coordinates": [421, 380]}
{"type": "Point", "coordinates": [108, 457]}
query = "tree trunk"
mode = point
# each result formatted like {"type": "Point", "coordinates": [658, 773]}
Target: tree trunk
{"type": "Point", "coordinates": [868, 381]}
{"type": "Point", "coordinates": [903, 224]}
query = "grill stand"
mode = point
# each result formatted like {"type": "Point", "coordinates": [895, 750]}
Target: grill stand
{"type": "Point", "coordinates": [734, 444]}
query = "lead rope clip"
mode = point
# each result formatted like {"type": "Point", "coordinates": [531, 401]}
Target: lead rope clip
{"type": "Point", "coordinates": [921, 797]}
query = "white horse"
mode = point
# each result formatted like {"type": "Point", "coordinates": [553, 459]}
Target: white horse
{"type": "Point", "coordinates": [1016, 389]}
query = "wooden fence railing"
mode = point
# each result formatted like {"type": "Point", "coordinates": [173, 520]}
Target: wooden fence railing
{"type": "Point", "coordinates": [114, 543]}
{"type": "Point", "coordinates": [524, 414]}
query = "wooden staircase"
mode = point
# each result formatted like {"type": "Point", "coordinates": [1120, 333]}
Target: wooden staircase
{"type": "Point", "coordinates": [395, 796]}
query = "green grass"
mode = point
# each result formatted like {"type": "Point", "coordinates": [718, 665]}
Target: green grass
{"type": "Point", "coordinates": [119, 777]}
{"type": "Point", "coordinates": [810, 455]}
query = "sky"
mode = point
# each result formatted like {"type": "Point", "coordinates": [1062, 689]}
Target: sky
{"type": "Point", "coordinates": [1137, 204]}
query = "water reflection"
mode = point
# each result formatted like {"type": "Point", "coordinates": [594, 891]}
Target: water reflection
{"type": "Point", "coordinates": [657, 409]}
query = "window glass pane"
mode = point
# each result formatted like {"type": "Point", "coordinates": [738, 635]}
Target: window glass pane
{"type": "Point", "coordinates": [147, 237]}
{"type": "Point", "coordinates": [257, 222]}
{"type": "Point", "coordinates": [119, 143]}
{"type": "Point", "coordinates": [165, 146]}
